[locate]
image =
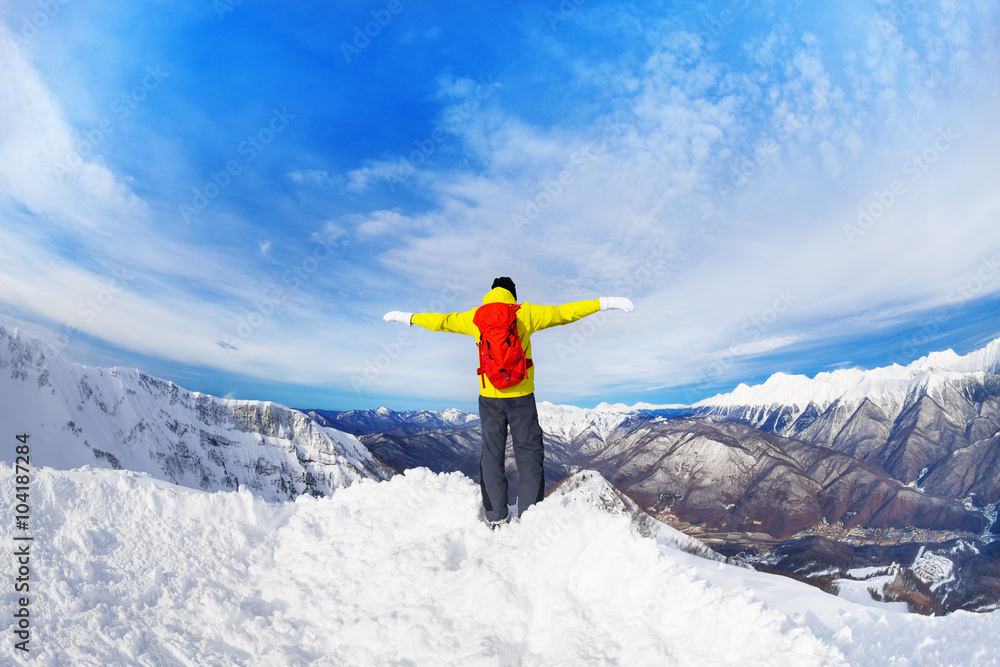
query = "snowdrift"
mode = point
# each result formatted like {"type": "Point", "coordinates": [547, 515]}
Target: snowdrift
{"type": "Point", "coordinates": [128, 569]}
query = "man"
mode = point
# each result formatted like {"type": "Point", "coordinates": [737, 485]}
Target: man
{"type": "Point", "coordinates": [513, 406]}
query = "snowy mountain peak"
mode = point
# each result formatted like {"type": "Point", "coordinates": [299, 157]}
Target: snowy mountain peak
{"type": "Point", "coordinates": [985, 360]}
{"type": "Point", "coordinates": [887, 385]}
{"type": "Point", "coordinates": [569, 421]}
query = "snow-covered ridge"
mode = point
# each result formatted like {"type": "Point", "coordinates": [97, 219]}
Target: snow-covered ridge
{"type": "Point", "coordinates": [124, 418]}
{"type": "Point", "coordinates": [640, 406]}
{"type": "Point", "coordinates": [450, 417]}
{"type": "Point", "coordinates": [567, 421]}
{"type": "Point", "coordinates": [589, 486]}
{"type": "Point", "coordinates": [885, 386]}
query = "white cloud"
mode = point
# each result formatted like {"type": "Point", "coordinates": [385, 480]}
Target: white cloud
{"type": "Point", "coordinates": [44, 164]}
{"type": "Point", "coordinates": [82, 253]}
{"type": "Point", "coordinates": [314, 177]}
{"type": "Point", "coordinates": [380, 173]}
{"type": "Point", "coordinates": [761, 346]}
{"type": "Point", "coordinates": [379, 223]}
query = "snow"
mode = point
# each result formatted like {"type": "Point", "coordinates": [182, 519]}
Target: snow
{"type": "Point", "coordinates": [858, 592]}
{"type": "Point", "coordinates": [985, 359]}
{"type": "Point", "coordinates": [591, 487]}
{"type": "Point", "coordinates": [866, 572]}
{"type": "Point", "coordinates": [128, 569]}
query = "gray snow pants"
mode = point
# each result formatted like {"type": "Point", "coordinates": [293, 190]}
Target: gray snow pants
{"type": "Point", "coordinates": [495, 415]}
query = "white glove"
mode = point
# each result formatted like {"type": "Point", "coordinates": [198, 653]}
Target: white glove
{"type": "Point", "coordinates": [617, 303]}
{"type": "Point", "coordinates": [398, 316]}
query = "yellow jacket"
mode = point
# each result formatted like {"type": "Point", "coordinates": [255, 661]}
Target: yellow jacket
{"type": "Point", "coordinates": [530, 318]}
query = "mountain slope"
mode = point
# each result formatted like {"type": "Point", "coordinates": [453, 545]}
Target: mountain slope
{"type": "Point", "coordinates": [733, 477]}
{"type": "Point", "coordinates": [124, 418]}
{"type": "Point", "coordinates": [384, 420]}
{"type": "Point", "coordinates": [908, 421]}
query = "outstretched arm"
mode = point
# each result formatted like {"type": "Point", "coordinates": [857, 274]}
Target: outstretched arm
{"type": "Point", "coordinates": [452, 322]}
{"type": "Point", "coordinates": [543, 317]}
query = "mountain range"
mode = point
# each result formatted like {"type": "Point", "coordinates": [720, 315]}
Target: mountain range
{"type": "Point", "coordinates": [727, 476]}
{"type": "Point", "coordinates": [915, 445]}
{"type": "Point", "coordinates": [934, 424]}
{"type": "Point", "coordinates": [123, 418]}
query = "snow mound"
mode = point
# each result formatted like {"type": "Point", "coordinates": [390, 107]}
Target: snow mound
{"type": "Point", "coordinates": [127, 569]}
{"type": "Point", "coordinates": [591, 487]}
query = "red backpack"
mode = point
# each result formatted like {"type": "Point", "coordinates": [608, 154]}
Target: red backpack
{"type": "Point", "coordinates": [501, 357]}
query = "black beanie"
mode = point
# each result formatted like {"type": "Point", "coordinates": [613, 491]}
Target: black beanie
{"type": "Point", "coordinates": [507, 284]}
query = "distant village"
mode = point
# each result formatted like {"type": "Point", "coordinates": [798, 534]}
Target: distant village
{"type": "Point", "coordinates": [856, 536]}
{"type": "Point", "coordinates": [859, 536]}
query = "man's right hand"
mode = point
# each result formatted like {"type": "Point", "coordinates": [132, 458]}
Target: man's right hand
{"type": "Point", "coordinates": [617, 303]}
{"type": "Point", "coordinates": [398, 316]}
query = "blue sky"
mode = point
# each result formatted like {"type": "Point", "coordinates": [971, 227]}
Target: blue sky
{"type": "Point", "coordinates": [230, 195]}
